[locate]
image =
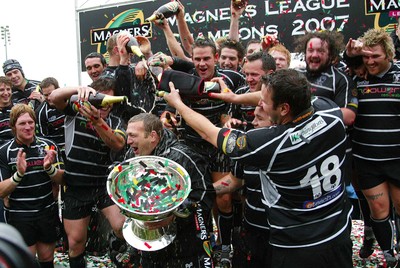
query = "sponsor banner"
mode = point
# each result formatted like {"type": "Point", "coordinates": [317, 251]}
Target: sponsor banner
{"type": "Point", "coordinates": [289, 19]}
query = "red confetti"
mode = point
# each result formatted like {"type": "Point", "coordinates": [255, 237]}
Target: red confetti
{"type": "Point", "coordinates": [147, 245]}
{"type": "Point", "coordinates": [163, 191]}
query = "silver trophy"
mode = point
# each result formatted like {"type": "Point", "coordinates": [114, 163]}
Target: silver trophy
{"type": "Point", "coordinates": [148, 189]}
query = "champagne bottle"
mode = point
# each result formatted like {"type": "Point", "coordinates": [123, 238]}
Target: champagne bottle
{"type": "Point", "coordinates": [133, 47]}
{"type": "Point", "coordinates": [99, 100]}
{"type": "Point", "coordinates": [32, 103]}
{"type": "Point", "coordinates": [165, 11]}
{"type": "Point", "coordinates": [210, 87]}
{"type": "Point", "coordinates": [190, 86]}
{"type": "Point", "coordinates": [239, 3]}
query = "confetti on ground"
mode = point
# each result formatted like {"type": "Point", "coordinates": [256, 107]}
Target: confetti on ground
{"type": "Point", "coordinates": [374, 261]}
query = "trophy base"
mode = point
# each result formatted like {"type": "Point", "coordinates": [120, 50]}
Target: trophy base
{"type": "Point", "coordinates": [141, 238]}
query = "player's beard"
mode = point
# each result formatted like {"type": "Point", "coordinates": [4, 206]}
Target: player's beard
{"type": "Point", "coordinates": [319, 70]}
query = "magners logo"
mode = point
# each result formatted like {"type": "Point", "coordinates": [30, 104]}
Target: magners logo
{"type": "Point", "coordinates": [131, 20]}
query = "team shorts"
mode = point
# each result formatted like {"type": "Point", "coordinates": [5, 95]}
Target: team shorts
{"type": "Point", "coordinates": [79, 201]}
{"type": "Point", "coordinates": [251, 248]}
{"type": "Point", "coordinates": [332, 254]}
{"type": "Point", "coordinates": [373, 173]}
{"type": "Point", "coordinates": [40, 230]}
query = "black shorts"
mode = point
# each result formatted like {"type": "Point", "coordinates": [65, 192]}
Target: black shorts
{"type": "Point", "coordinates": [251, 248]}
{"type": "Point", "coordinates": [333, 254]}
{"type": "Point", "coordinates": [373, 173]}
{"type": "Point", "coordinates": [79, 201]}
{"type": "Point", "coordinates": [41, 230]}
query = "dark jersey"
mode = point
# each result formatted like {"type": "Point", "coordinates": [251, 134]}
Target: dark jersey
{"type": "Point", "coordinates": [301, 173]}
{"type": "Point", "coordinates": [33, 197]}
{"type": "Point", "coordinates": [377, 126]}
{"type": "Point", "coordinates": [5, 130]}
{"type": "Point", "coordinates": [334, 85]}
{"type": "Point", "coordinates": [254, 215]}
{"type": "Point", "coordinates": [50, 124]}
{"type": "Point", "coordinates": [123, 76]}
{"type": "Point", "coordinates": [213, 109]}
{"type": "Point", "coordinates": [194, 229]}
{"type": "Point", "coordinates": [87, 156]}
{"type": "Point", "coordinates": [19, 96]}
{"type": "Point", "coordinates": [245, 113]}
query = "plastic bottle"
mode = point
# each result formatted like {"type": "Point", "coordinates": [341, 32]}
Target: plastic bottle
{"type": "Point", "coordinates": [165, 11]}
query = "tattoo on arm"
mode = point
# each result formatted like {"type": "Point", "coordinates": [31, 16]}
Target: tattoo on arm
{"type": "Point", "coordinates": [374, 197]}
{"type": "Point", "coordinates": [223, 186]}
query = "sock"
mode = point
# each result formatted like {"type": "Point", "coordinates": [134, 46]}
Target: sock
{"type": "Point", "coordinates": [237, 206]}
{"type": "Point", "coordinates": [47, 264]}
{"type": "Point", "coordinates": [364, 208]}
{"type": "Point", "coordinates": [78, 261]}
{"type": "Point", "coordinates": [225, 225]}
{"type": "Point", "coordinates": [383, 230]}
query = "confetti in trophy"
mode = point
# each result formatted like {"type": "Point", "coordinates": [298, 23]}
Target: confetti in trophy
{"type": "Point", "coordinates": [149, 189]}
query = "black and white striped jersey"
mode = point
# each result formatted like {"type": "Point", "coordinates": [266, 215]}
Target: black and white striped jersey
{"type": "Point", "coordinates": [377, 126]}
{"type": "Point", "coordinates": [254, 214]}
{"type": "Point", "coordinates": [5, 130]}
{"type": "Point", "coordinates": [334, 85]}
{"type": "Point", "coordinates": [87, 156]}
{"type": "Point", "coordinates": [245, 113]}
{"type": "Point", "coordinates": [301, 173]}
{"type": "Point", "coordinates": [33, 197]}
{"type": "Point", "coordinates": [50, 124]}
{"type": "Point", "coordinates": [19, 96]}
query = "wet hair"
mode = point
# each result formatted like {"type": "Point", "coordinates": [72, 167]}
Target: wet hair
{"type": "Point", "coordinates": [104, 83]}
{"type": "Point", "coordinates": [252, 41]}
{"type": "Point", "coordinates": [18, 110]}
{"type": "Point", "coordinates": [282, 49]}
{"type": "Point", "coordinates": [96, 55]}
{"type": "Point", "coordinates": [374, 37]}
{"type": "Point", "coordinates": [111, 43]}
{"type": "Point", "coordinates": [268, 62]}
{"type": "Point", "coordinates": [6, 81]}
{"type": "Point", "coordinates": [204, 42]}
{"type": "Point", "coordinates": [334, 41]}
{"type": "Point", "coordinates": [150, 123]}
{"type": "Point", "coordinates": [232, 44]}
{"type": "Point", "coordinates": [291, 87]}
{"type": "Point", "coordinates": [48, 81]}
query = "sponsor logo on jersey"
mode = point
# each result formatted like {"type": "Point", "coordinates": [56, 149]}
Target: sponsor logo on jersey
{"type": "Point", "coordinates": [307, 130]}
{"type": "Point", "coordinates": [241, 142]}
{"type": "Point", "coordinates": [322, 200]}
{"type": "Point", "coordinates": [229, 143]}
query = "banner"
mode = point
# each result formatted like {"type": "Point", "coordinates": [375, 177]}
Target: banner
{"type": "Point", "coordinates": [210, 18]}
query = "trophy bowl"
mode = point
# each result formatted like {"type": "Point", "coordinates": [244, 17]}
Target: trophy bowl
{"type": "Point", "coordinates": [148, 189]}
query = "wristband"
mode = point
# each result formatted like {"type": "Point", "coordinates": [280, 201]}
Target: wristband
{"type": "Point", "coordinates": [16, 178]}
{"type": "Point", "coordinates": [51, 171]}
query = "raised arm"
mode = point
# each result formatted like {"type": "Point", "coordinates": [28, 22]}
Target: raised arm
{"type": "Point", "coordinates": [173, 45]}
{"type": "Point", "coordinates": [236, 12]}
{"type": "Point", "coordinates": [207, 130]}
{"type": "Point", "coordinates": [183, 29]}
